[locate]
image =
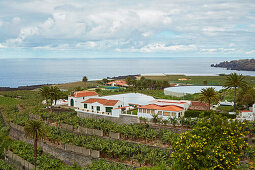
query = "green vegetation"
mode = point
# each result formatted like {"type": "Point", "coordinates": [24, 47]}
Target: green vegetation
{"type": "Point", "coordinates": [105, 165]}
{"type": "Point", "coordinates": [235, 81]}
{"type": "Point", "coordinates": [111, 148]}
{"type": "Point", "coordinates": [44, 161]}
{"type": "Point", "coordinates": [198, 80]}
{"type": "Point", "coordinates": [214, 143]}
{"type": "Point", "coordinates": [134, 132]}
{"type": "Point", "coordinates": [209, 95]}
{"type": "Point", "coordinates": [144, 83]}
{"type": "Point", "coordinates": [197, 113]}
{"type": "Point", "coordinates": [6, 166]}
{"type": "Point", "coordinates": [36, 130]}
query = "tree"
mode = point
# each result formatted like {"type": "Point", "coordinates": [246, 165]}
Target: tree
{"type": "Point", "coordinates": [246, 96]}
{"type": "Point", "coordinates": [208, 95]}
{"type": "Point", "coordinates": [214, 143]}
{"type": "Point", "coordinates": [36, 130]}
{"type": "Point", "coordinates": [54, 94]}
{"type": "Point", "coordinates": [45, 93]}
{"type": "Point", "coordinates": [5, 140]}
{"type": "Point", "coordinates": [173, 121]}
{"type": "Point", "coordinates": [235, 81]}
{"type": "Point", "coordinates": [84, 79]}
{"type": "Point", "coordinates": [105, 80]}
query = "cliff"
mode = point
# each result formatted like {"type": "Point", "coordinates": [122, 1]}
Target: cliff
{"type": "Point", "coordinates": [244, 65]}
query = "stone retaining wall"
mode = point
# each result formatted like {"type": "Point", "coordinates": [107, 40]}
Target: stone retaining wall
{"type": "Point", "coordinates": [34, 117]}
{"type": "Point", "coordinates": [123, 119]}
{"type": "Point", "coordinates": [114, 135]}
{"type": "Point", "coordinates": [81, 130]}
{"type": "Point", "coordinates": [56, 150]}
{"type": "Point", "coordinates": [67, 127]}
{"type": "Point", "coordinates": [17, 158]}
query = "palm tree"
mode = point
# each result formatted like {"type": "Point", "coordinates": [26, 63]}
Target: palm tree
{"type": "Point", "coordinates": [208, 95]}
{"type": "Point", "coordinates": [36, 130]}
{"type": "Point", "coordinates": [55, 94]}
{"type": "Point", "coordinates": [45, 93]}
{"type": "Point", "coordinates": [235, 81]}
{"type": "Point", "coordinates": [84, 79]}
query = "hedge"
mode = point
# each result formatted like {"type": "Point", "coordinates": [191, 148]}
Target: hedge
{"type": "Point", "coordinates": [197, 113]}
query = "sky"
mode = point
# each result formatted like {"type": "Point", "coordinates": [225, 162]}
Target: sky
{"type": "Point", "coordinates": [131, 28]}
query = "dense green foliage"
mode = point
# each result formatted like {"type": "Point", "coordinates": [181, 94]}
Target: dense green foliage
{"type": "Point", "coordinates": [214, 143]}
{"type": "Point", "coordinates": [135, 131]}
{"type": "Point", "coordinates": [112, 148]}
{"type": "Point", "coordinates": [208, 95]}
{"type": "Point", "coordinates": [144, 83]}
{"type": "Point", "coordinates": [105, 165]}
{"type": "Point", "coordinates": [197, 113]}
{"type": "Point", "coordinates": [44, 161]}
{"type": "Point", "coordinates": [6, 166]}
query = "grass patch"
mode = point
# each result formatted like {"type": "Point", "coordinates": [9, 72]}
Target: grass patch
{"type": "Point", "coordinates": [198, 80]}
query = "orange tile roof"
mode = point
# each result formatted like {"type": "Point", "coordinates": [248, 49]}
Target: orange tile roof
{"type": "Point", "coordinates": [166, 107]}
{"type": "Point", "coordinates": [101, 101]}
{"type": "Point", "coordinates": [197, 105]}
{"type": "Point", "coordinates": [246, 111]}
{"type": "Point", "coordinates": [84, 93]}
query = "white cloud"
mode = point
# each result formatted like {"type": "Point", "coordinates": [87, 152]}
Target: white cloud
{"type": "Point", "coordinates": [218, 27]}
{"type": "Point", "coordinates": [250, 52]}
{"type": "Point", "coordinates": [158, 47]}
{"type": "Point", "coordinates": [2, 46]}
{"type": "Point", "coordinates": [16, 20]}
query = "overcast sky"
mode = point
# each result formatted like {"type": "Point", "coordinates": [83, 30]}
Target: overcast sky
{"type": "Point", "coordinates": [127, 28]}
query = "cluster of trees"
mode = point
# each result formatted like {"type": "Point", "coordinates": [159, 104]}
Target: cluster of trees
{"type": "Point", "coordinates": [144, 83]}
{"type": "Point", "coordinates": [50, 94]}
{"type": "Point", "coordinates": [233, 81]}
{"type": "Point", "coordinates": [214, 143]}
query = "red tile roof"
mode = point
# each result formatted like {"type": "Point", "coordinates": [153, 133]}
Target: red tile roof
{"type": "Point", "coordinates": [246, 111]}
{"type": "Point", "coordinates": [196, 105]}
{"type": "Point", "coordinates": [84, 93]}
{"type": "Point", "coordinates": [102, 101]}
{"type": "Point", "coordinates": [166, 107]}
{"type": "Point", "coordinates": [118, 82]}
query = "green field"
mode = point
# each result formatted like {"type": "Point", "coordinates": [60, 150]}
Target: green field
{"type": "Point", "coordinates": [197, 80]}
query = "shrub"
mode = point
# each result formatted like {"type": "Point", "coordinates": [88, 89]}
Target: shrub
{"type": "Point", "coordinates": [214, 143]}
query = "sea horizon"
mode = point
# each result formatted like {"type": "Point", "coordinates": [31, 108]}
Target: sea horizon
{"type": "Point", "coordinates": [37, 71]}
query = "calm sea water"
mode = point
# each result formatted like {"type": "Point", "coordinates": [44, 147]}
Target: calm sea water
{"type": "Point", "coordinates": [22, 72]}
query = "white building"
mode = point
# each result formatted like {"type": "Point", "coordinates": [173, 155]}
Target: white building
{"type": "Point", "coordinates": [100, 106]}
{"type": "Point", "coordinates": [77, 97]}
{"type": "Point", "coordinates": [164, 111]}
{"type": "Point", "coordinates": [247, 114]}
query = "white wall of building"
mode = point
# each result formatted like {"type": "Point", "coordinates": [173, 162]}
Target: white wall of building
{"type": "Point", "coordinates": [149, 115]}
{"type": "Point", "coordinates": [78, 100]}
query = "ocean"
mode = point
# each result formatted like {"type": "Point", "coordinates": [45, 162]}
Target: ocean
{"type": "Point", "coordinates": [23, 72]}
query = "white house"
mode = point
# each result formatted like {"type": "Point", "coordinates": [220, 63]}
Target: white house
{"type": "Point", "coordinates": [77, 97]}
{"type": "Point", "coordinates": [247, 114]}
{"type": "Point", "coordinates": [100, 106]}
{"type": "Point", "coordinates": [164, 111]}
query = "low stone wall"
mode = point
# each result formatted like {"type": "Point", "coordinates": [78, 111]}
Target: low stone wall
{"type": "Point", "coordinates": [34, 117]}
{"type": "Point", "coordinates": [17, 158]}
{"type": "Point", "coordinates": [18, 127]}
{"type": "Point", "coordinates": [67, 127]}
{"type": "Point", "coordinates": [88, 131]}
{"type": "Point", "coordinates": [123, 119]}
{"type": "Point", "coordinates": [114, 135]}
{"type": "Point", "coordinates": [57, 150]}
